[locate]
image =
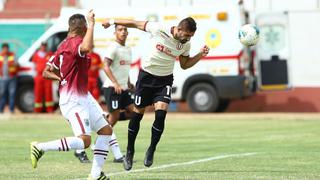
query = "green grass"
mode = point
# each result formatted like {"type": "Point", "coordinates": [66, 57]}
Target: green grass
{"type": "Point", "coordinates": [287, 147]}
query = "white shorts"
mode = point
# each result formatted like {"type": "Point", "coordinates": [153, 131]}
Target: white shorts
{"type": "Point", "coordinates": [84, 115]}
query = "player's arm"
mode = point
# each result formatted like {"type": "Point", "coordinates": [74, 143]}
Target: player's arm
{"type": "Point", "coordinates": [187, 62]}
{"type": "Point", "coordinates": [51, 73]}
{"type": "Point", "coordinates": [110, 75]}
{"type": "Point", "coordinates": [87, 42]}
{"type": "Point", "coordinates": [130, 85]}
{"type": "Point", "coordinates": [128, 23]}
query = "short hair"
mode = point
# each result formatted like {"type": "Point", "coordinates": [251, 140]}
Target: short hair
{"type": "Point", "coordinates": [76, 23]}
{"type": "Point", "coordinates": [188, 24]}
{"type": "Point", "coordinates": [5, 45]}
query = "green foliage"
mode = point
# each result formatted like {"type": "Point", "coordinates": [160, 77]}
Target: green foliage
{"type": "Point", "coordinates": [286, 147]}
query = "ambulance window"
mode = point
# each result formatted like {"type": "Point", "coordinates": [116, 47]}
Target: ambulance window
{"type": "Point", "coordinates": [55, 40]}
{"type": "Point", "coordinates": [272, 38]}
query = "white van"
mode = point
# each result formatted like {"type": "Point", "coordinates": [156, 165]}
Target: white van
{"type": "Point", "coordinates": [225, 74]}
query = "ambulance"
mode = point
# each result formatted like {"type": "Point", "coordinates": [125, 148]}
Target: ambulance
{"type": "Point", "coordinates": [227, 73]}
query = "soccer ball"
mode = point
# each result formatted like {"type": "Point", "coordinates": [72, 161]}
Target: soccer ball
{"type": "Point", "coordinates": [249, 34]}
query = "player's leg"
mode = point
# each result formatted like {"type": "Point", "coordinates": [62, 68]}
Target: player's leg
{"type": "Point", "coordinates": [113, 103]}
{"type": "Point", "coordinates": [101, 148]}
{"type": "Point", "coordinates": [162, 99]}
{"type": "Point", "coordinates": [78, 118]}
{"type": "Point", "coordinates": [127, 102]}
{"type": "Point", "coordinates": [156, 130]}
{"type": "Point", "coordinates": [143, 98]}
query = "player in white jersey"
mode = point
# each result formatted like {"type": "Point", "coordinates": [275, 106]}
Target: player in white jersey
{"type": "Point", "coordinates": [117, 86]}
{"type": "Point", "coordinates": [156, 78]}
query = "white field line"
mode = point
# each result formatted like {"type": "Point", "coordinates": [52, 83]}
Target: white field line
{"type": "Point", "coordinates": [178, 164]}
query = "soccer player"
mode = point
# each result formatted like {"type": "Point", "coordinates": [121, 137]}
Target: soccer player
{"type": "Point", "coordinates": [156, 76]}
{"type": "Point", "coordinates": [117, 85]}
{"type": "Point", "coordinates": [76, 103]}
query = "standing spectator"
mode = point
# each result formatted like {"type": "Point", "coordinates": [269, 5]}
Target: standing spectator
{"type": "Point", "coordinates": [93, 75]}
{"type": "Point", "coordinates": [42, 86]}
{"type": "Point", "coordinates": [8, 77]}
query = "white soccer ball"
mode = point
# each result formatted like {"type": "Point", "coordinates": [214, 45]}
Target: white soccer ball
{"type": "Point", "coordinates": [249, 34]}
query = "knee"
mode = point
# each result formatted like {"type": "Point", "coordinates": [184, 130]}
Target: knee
{"type": "Point", "coordinates": [106, 130]}
{"type": "Point", "coordinates": [86, 141]}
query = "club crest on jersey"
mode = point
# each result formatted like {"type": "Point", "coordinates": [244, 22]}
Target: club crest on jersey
{"type": "Point", "coordinates": [86, 121]}
{"type": "Point", "coordinates": [179, 46]}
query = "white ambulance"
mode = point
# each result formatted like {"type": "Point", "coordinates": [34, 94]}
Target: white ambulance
{"type": "Point", "coordinates": [225, 74]}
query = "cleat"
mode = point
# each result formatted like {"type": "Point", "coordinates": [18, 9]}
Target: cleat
{"type": "Point", "coordinates": [35, 154]}
{"type": "Point", "coordinates": [101, 177]}
{"type": "Point", "coordinates": [127, 161]}
{"type": "Point", "coordinates": [148, 160]}
{"type": "Point", "coordinates": [83, 158]}
{"type": "Point", "coordinates": [119, 160]}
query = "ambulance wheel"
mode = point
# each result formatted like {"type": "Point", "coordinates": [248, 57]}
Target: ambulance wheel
{"type": "Point", "coordinates": [202, 97]}
{"type": "Point", "coordinates": [25, 98]}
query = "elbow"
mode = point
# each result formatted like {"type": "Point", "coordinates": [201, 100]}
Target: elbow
{"type": "Point", "coordinates": [85, 50]}
{"type": "Point", "coordinates": [184, 67]}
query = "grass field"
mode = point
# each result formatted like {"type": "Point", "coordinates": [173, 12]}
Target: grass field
{"type": "Point", "coordinates": [194, 146]}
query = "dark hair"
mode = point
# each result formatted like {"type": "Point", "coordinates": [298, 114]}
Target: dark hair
{"type": "Point", "coordinates": [77, 22]}
{"type": "Point", "coordinates": [5, 45]}
{"type": "Point", "coordinates": [188, 24]}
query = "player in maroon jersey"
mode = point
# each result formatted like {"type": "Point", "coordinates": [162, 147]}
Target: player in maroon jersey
{"type": "Point", "coordinates": [70, 66]}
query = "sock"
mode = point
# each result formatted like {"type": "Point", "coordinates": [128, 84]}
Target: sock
{"type": "Point", "coordinates": [157, 128]}
{"type": "Point", "coordinates": [133, 129]}
{"type": "Point", "coordinates": [100, 154]}
{"type": "Point", "coordinates": [64, 144]}
{"type": "Point", "coordinates": [79, 151]}
{"type": "Point", "coordinates": [122, 116]}
{"type": "Point", "coordinates": [114, 146]}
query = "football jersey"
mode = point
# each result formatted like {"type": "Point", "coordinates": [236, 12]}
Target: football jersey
{"type": "Point", "coordinates": [73, 67]}
{"type": "Point", "coordinates": [120, 66]}
{"type": "Point", "coordinates": [164, 50]}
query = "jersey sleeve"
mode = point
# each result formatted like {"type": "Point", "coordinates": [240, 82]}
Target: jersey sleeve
{"type": "Point", "coordinates": [153, 27]}
{"type": "Point", "coordinates": [55, 61]}
{"type": "Point", "coordinates": [110, 53]}
{"type": "Point", "coordinates": [76, 48]}
{"type": "Point", "coordinates": [187, 50]}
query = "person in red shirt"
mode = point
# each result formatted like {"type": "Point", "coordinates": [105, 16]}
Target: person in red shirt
{"type": "Point", "coordinates": [42, 86]}
{"type": "Point", "coordinates": [93, 75]}
{"type": "Point", "coordinates": [70, 65]}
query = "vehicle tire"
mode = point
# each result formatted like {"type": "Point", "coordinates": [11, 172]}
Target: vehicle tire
{"type": "Point", "coordinates": [25, 98]}
{"type": "Point", "coordinates": [202, 97]}
{"type": "Point", "coordinates": [223, 105]}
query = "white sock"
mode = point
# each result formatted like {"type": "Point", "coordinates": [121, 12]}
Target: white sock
{"type": "Point", "coordinates": [114, 146]}
{"type": "Point", "coordinates": [100, 154]}
{"type": "Point", "coordinates": [64, 144]}
{"type": "Point", "coordinates": [79, 151]}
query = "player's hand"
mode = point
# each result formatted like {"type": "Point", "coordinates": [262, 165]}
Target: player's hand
{"type": "Point", "coordinates": [90, 19]}
{"type": "Point", "coordinates": [106, 24]}
{"type": "Point", "coordinates": [130, 86]}
{"type": "Point", "coordinates": [204, 50]}
{"type": "Point", "coordinates": [117, 88]}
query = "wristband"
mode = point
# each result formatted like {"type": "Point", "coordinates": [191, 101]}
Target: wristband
{"type": "Point", "coordinates": [111, 21]}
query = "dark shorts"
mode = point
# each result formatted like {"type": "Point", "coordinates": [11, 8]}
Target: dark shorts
{"type": "Point", "coordinates": [151, 89]}
{"type": "Point", "coordinates": [116, 101]}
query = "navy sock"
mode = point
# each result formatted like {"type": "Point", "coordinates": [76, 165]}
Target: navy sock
{"type": "Point", "coordinates": [157, 128]}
